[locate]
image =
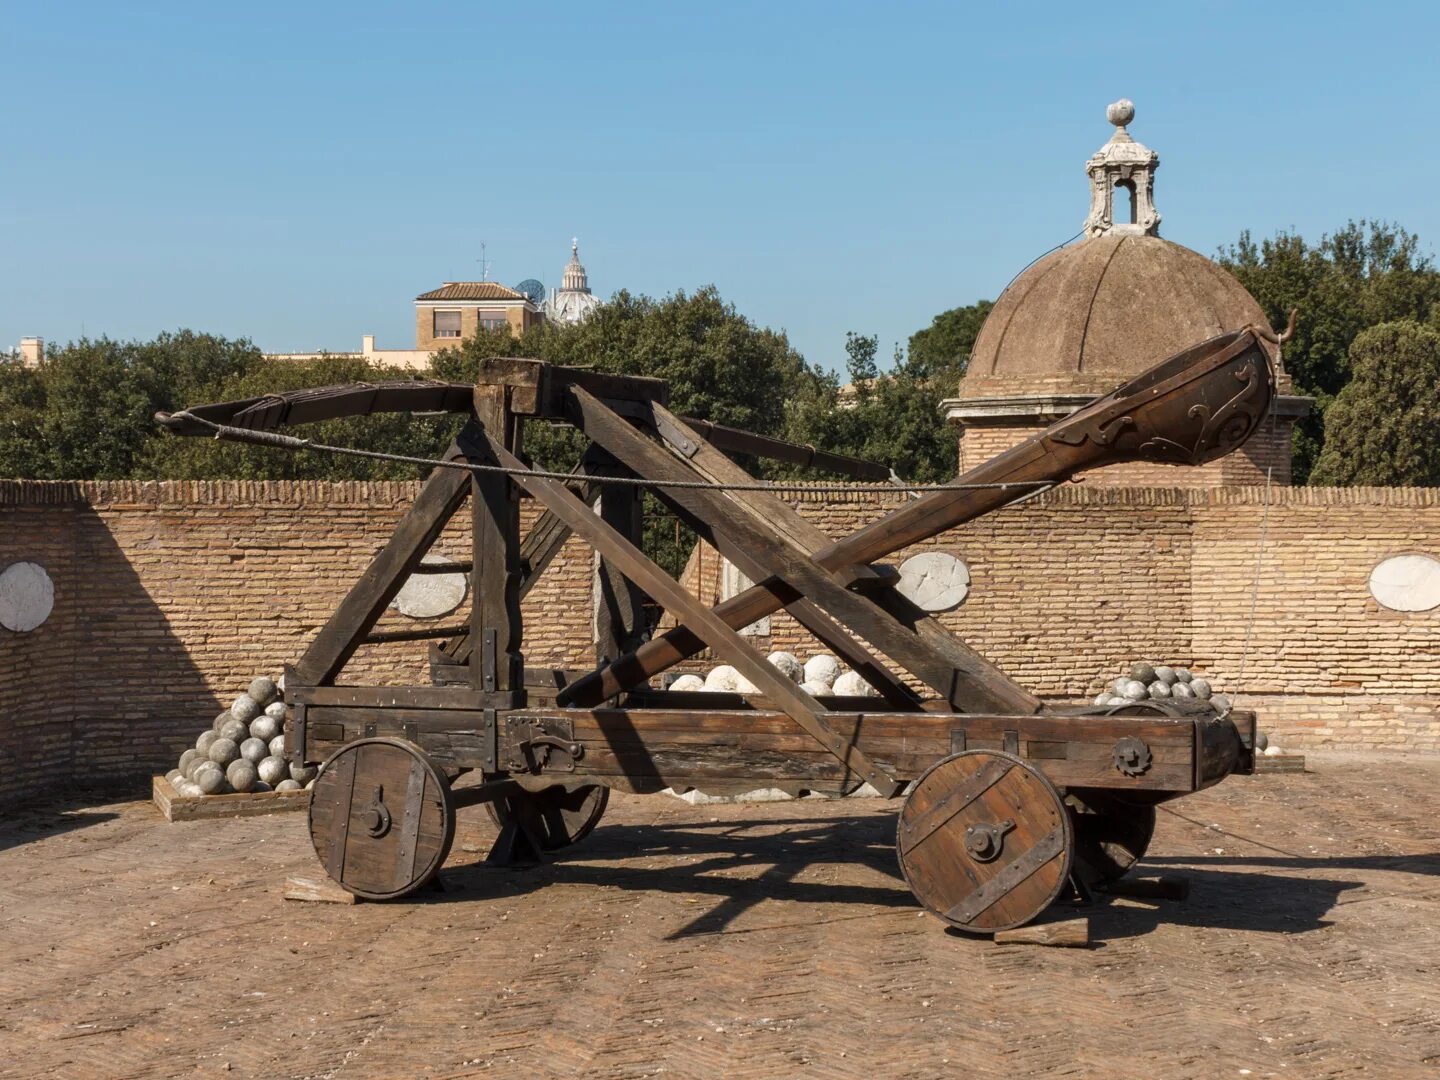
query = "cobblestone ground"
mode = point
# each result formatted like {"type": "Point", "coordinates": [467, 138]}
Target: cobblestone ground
{"type": "Point", "coordinates": [750, 940]}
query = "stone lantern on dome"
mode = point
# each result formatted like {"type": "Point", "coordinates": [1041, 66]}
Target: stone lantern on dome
{"type": "Point", "coordinates": [1088, 317]}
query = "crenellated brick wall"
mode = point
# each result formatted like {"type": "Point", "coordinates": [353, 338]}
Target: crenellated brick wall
{"type": "Point", "coordinates": [171, 596]}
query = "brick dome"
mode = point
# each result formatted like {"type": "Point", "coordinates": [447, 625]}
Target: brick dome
{"type": "Point", "coordinates": [1087, 317]}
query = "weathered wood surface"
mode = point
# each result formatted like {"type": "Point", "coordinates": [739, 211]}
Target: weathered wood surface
{"type": "Point", "coordinates": [1280, 763]}
{"type": "Point", "coordinates": [176, 807]}
{"type": "Point", "coordinates": [1065, 933]}
{"type": "Point", "coordinates": [317, 890]}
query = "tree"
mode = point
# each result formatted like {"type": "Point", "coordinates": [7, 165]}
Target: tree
{"type": "Point", "coordinates": [1384, 426]}
{"type": "Point", "coordinates": [1366, 273]}
{"type": "Point", "coordinates": [942, 349]}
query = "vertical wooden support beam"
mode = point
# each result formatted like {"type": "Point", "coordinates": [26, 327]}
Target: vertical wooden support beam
{"type": "Point", "coordinates": [619, 603]}
{"type": "Point", "coordinates": [496, 662]}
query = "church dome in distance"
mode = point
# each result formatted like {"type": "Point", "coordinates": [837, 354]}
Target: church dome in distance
{"type": "Point", "coordinates": [1085, 318]}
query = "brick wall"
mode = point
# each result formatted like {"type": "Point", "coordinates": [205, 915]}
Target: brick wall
{"type": "Point", "coordinates": [170, 597]}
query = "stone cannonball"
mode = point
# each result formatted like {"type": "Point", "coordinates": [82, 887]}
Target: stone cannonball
{"type": "Point", "coordinates": [1201, 688]}
{"type": "Point", "coordinates": [1118, 686]}
{"type": "Point", "coordinates": [276, 711]}
{"type": "Point", "coordinates": [265, 727]}
{"type": "Point", "coordinates": [1159, 689]}
{"type": "Point", "coordinates": [851, 684]}
{"type": "Point", "coordinates": [1142, 672]}
{"type": "Point", "coordinates": [1182, 690]}
{"type": "Point", "coordinates": [189, 789]}
{"type": "Point", "coordinates": [241, 774]}
{"type": "Point", "coordinates": [1135, 690]}
{"type": "Point", "coordinates": [303, 774]}
{"type": "Point", "coordinates": [1220, 702]}
{"type": "Point", "coordinates": [1183, 674]}
{"type": "Point", "coordinates": [220, 719]}
{"type": "Point", "coordinates": [688, 682]}
{"type": "Point", "coordinates": [173, 777]}
{"type": "Point", "coordinates": [259, 786]}
{"type": "Point", "coordinates": [209, 778]}
{"type": "Point", "coordinates": [1165, 675]}
{"type": "Point", "coordinates": [743, 685]}
{"type": "Point", "coordinates": [1262, 741]}
{"type": "Point", "coordinates": [245, 708]}
{"type": "Point", "coordinates": [223, 751]}
{"type": "Point", "coordinates": [234, 730]}
{"type": "Point", "coordinates": [273, 770]}
{"type": "Point", "coordinates": [203, 742]}
{"type": "Point", "coordinates": [288, 785]}
{"type": "Point", "coordinates": [277, 746]}
{"type": "Point", "coordinates": [185, 759]}
{"type": "Point", "coordinates": [788, 664]}
{"type": "Point", "coordinates": [822, 668]}
{"type": "Point", "coordinates": [1104, 699]}
{"type": "Point", "coordinates": [189, 771]}
{"type": "Point", "coordinates": [263, 691]}
{"type": "Point", "coordinates": [310, 786]}
{"type": "Point", "coordinates": [254, 750]}
{"type": "Point", "coordinates": [815, 689]}
{"type": "Point", "coordinates": [722, 679]}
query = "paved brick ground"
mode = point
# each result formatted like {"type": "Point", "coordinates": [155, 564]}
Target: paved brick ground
{"type": "Point", "coordinates": [757, 940]}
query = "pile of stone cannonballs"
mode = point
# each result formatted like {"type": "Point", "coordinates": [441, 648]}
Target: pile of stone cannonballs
{"type": "Point", "coordinates": [821, 674]}
{"type": "Point", "coordinates": [1159, 681]}
{"type": "Point", "coordinates": [243, 750]}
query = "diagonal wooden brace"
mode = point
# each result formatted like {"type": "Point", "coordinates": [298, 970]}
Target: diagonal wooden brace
{"type": "Point", "coordinates": [634, 564]}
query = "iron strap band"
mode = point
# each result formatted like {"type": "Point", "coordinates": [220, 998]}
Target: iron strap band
{"type": "Point", "coordinates": [925, 825]}
{"type": "Point", "coordinates": [974, 905]}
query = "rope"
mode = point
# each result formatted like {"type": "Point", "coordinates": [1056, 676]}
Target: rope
{"type": "Point", "coordinates": [290, 442]}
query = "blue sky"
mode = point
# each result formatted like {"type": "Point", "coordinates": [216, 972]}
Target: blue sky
{"type": "Point", "coordinates": [296, 173]}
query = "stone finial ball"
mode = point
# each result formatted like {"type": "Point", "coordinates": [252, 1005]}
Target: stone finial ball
{"type": "Point", "coordinates": [241, 774]}
{"type": "Point", "coordinates": [1165, 675]}
{"type": "Point", "coordinates": [302, 774]}
{"type": "Point", "coordinates": [1182, 690]}
{"type": "Point", "coordinates": [276, 711]}
{"type": "Point", "coordinates": [1159, 689]}
{"type": "Point", "coordinates": [788, 664]}
{"type": "Point", "coordinates": [277, 746]}
{"type": "Point", "coordinates": [1120, 112]}
{"type": "Point", "coordinates": [822, 668]}
{"type": "Point", "coordinates": [265, 727]}
{"type": "Point", "coordinates": [288, 785]}
{"type": "Point", "coordinates": [263, 691]}
{"type": "Point", "coordinates": [245, 708]}
{"type": "Point", "coordinates": [254, 750]}
{"type": "Point", "coordinates": [1143, 672]}
{"type": "Point", "coordinates": [273, 769]}
{"type": "Point", "coordinates": [1201, 688]}
{"type": "Point", "coordinates": [688, 682]}
{"type": "Point", "coordinates": [203, 742]}
{"type": "Point", "coordinates": [234, 730]}
{"type": "Point", "coordinates": [209, 778]}
{"type": "Point", "coordinates": [223, 751]}
{"type": "Point", "coordinates": [1135, 690]}
{"type": "Point", "coordinates": [220, 719]}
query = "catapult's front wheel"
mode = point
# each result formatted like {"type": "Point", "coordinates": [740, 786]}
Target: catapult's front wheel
{"type": "Point", "coordinates": [1111, 835]}
{"type": "Point", "coordinates": [985, 841]}
{"type": "Point", "coordinates": [381, 818]}
{"type": "Point", "coordinates": [556, 816]}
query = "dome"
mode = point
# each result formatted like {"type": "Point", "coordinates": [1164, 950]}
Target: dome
{"type": "Point", "coordinates": [1091, 315]}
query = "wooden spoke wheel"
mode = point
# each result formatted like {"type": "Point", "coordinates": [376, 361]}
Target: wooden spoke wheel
{"type": "Point", "coordinates": [555, 816]}
{"type": "Point", "coordinates": [1111, 835]}
{"type": "Point", "coordinates": [381, 818]}
{"type": "Point", "coordinates": [985, 841]}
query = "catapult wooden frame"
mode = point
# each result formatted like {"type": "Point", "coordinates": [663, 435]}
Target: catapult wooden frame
{"type": "Point", "coordinates": [1010, 801]}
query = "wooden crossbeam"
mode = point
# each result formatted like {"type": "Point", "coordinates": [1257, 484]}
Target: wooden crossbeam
{"type": "Point", "coordinates": [725, 641]}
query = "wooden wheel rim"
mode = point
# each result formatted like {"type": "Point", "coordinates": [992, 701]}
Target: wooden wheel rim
{"type": "Point", "coordinates": [560, 816]}
{"type": "Point", "coordinates": [1002, 885]}
{"type": "Point", "coordinates": [381, 818]}
{"type": "Point", "coordinates": [1111, 835]}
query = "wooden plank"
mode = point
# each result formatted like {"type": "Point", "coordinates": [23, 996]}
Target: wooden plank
{"type": "Point", "coordinates": [735, 441]}
{"type": "Point", "coordinates": [441, 496]}
{"type": "Point", "coordinates": [176, 807]}
{"type": "Point", "coordinates": [400, 697]}
{"type": "Point", "coordinates": [496, 630]}
{"type": "Point", "coordinates": [619, 604]}
{"type": "Point", "coordinates": [317, 890]}
{"type": "Point", "coordinates": [1067, 934]}
{"type": "Point", "coordinates": [805, 710]}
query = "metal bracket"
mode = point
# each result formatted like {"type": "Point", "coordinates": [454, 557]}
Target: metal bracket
{"type": "Point", "coordinates": [532, 744]}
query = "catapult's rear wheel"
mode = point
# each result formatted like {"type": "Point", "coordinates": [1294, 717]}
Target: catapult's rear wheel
{"type": "Point", "coordinates": [985, 841]}
{"type": "Point", "coordinates": [381, 818]}
{"type": "Point", "coordinates": [1111, 835]}
{"type": "Point", "coordinates": [557, 817]}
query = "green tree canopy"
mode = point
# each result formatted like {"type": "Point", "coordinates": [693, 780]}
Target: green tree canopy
{"type": "Point", "coordinates": [1384, 425]}
{"type": "Point", "coordinates": [1364, 274]}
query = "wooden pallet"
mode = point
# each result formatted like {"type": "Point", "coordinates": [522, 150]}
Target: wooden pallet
{"type": "Point", "coordinates": [177, 807]}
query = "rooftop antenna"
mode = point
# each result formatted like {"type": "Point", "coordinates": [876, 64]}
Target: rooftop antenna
{"type": "Point", "coordinates": [484, 263]}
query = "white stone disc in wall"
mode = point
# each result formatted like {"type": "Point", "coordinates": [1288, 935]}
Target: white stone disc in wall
{"type": "Point", "coordinates": [1407, 583]}
{"type": "Point", "coordinates": [934, 581]}
{"type": "Point", "coordinates": [27, 596]}
{"type": "Point", "coordinates": [428, 596]}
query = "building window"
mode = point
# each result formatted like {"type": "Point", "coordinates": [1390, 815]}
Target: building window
{"type": "Point", "coordinates": [447, 324]}
{"type": "Point", "coordinates": [493, 320]}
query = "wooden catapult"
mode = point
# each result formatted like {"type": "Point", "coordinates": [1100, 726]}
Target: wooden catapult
{"type": "Point", "coordinates": [1008, 801]}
